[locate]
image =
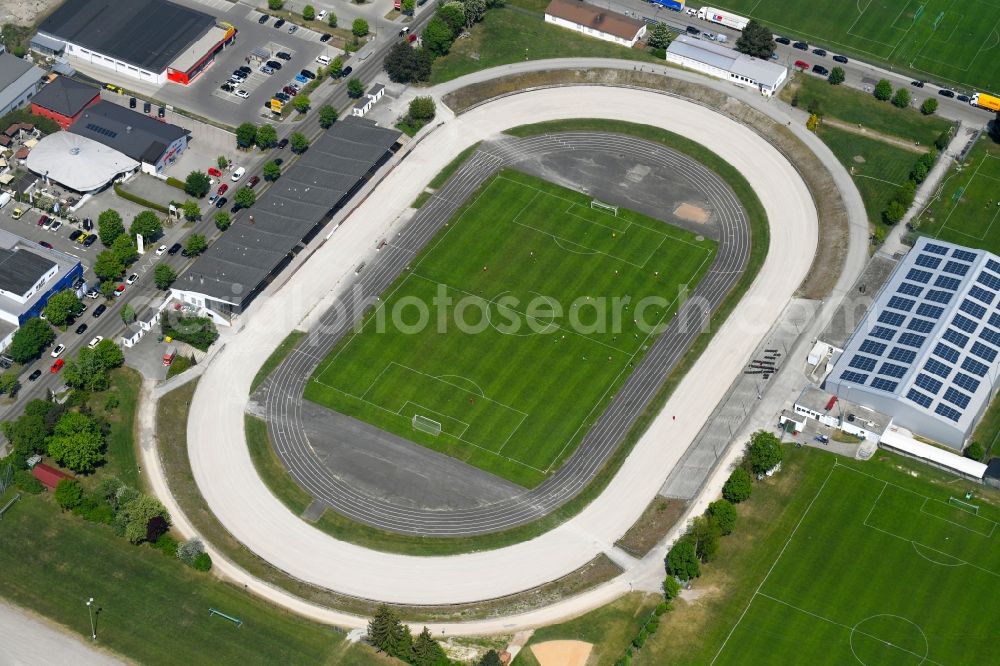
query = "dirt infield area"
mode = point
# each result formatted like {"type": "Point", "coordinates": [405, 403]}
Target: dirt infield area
{"type": "Point", "coordinates": [562, 653]}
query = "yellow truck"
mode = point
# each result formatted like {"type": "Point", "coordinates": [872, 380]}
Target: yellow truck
{"type": "Point", "coordinates": [984, 101]}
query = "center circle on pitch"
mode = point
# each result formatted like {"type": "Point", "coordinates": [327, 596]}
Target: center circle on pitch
{"type": "Point", "coordinates": [889, 639]}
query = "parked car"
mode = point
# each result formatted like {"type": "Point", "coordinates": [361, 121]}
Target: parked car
{"type": "Point", "coordinates": [782, 40]}
{"type": "Point", "coordinates": [82, 238]}
{"type": "Point", "coordinates": [47, 245]}
{"type": "Point", "coordinates": [55, 225]}
{"type": "Point", "coordinates": [119, 290]}
{"type": "Point", "coordinates": [321, 15]}
{"type": "Point", "coordinates": [802, 64]}
{"type": "Point", "coordinates": [840, 59]}
{"type": "Point", "coordinates": [93, 293]}
{"type": "Point", "coordinates": [34, 375]}
{"type": "Point", "coordinates": [81, 329]}
{"type": "Point", "coordinates": [691, 30]}
{"type": "Point", "coordinates": [253, 181]}
{"type": "Point", "coordinates": [132, 278]}
{"type": "Point", "coordinates": [57, 366]}
{"type": "Point", "coordinates": [801, 46]}
{"type": "Point", "coordinates": [282, 96]}
{"type": "Point", "coordinates": [88, 224]}
{"type": "Point", "coordinates": [325, 38]}
{"type": "Point", "coordinates": [292, 28]}
{"type": "Point", "coordinates": [290, 91]}
{"type": "Point", "coordinates": [263, 19]}
{"type": "Point", "coordinates": [280, 22]}
{"type": "Point", "coordinates": [235, 208]}
{"type": "Point", "coordinates": [212, 171]}
{"type": "Point", "coordinates": [58, 349]}
{"type": "Point", "coordinates": [221, 201]}
{"type": "Point", "coordinates": [238, 174]}
{"type": "Point", "coordinates": [242, 94]}
{"type": "Point", "coordinates": [174, 249]}
{"type": "Point", "coordinates": [819, 69]}
{"type": "Point", "coordinates": [75, 235]}
{"type": "Point", "coordinates": [227, 87]}
{"type": "Point", "coordinates": [820, 52]}
{"type": "Point", "coordinates": [308, 73]}
{"type": "Point", "coordinates": [347, 70]}
{"type": "Point", "coordinates": [946, 93]}
{"type": "Point", "coordinates": [283, 55]}
{"type": "Point", "coordinates": [96, 341]}
{"type": "Point", "coordinates": [301, 79]}
{"type": "Point", "coordinates": [91, 239]}
{"type": "Point", "coordinates": [246, 70]}
{"type": "Point", "coordinates": [266, 70]}
{"type": "Point", "coordinates": [131, 102]}
{"type": "Point", "coordinates": [43, 220]}
{"type": "Point", "coordinates": [963, 98]}
{"type": "Point", "coordinates": [77, 283]}
{"type": "Point", "coordinates": [160, 250]}
{"type": "Point", "coordinates": [282, 143]}
{"type": "Point", "coordinates": [917, 84]}
{"type": "Point", "coordinates": [278, 161]}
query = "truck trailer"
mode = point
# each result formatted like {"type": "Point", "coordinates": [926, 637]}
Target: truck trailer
{"type": "Point", "coordinates": [984, 101]}
{"type": "Point", "coordinates": [728, 19]}
{"type": "Point", "coordinates": [676, 5]}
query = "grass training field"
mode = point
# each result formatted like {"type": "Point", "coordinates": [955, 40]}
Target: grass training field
{"type": "Point", "coordinates": [955, 41]}
{"type": "Point", "coordinates": [879, 574]}
{"type": "Point", "coordinates": [965, 210]}
{"type": "Point", "coordinates": [517, 385]}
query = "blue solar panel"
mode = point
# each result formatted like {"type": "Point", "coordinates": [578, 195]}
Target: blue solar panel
{"type": "Point", "coordinates": [855, 377]}
{"type": "Point", "coordinates": [963, 255]}
{"type": "Point", "coordinates": [921, 325]}
{"type": "Point", "coordinates": [938, 368]}
{"type": "Point", "coordinates": [948, 412]}
{"type": "Point", "coordinates": [891, 318]}
{"type": "Point", "coordinates": [912, 340]}
{"type": "Point", "coordinates": [965, 381]}
{"type": "Point", "coordinates": [892, 370]}
{"type": "Point", "coordinates": [995, 320]}
{"type": "Point", "coordinates": [991, 336]}
{"type": "Point", "coordinates": [862, 363]}
{"type": "Point", "coordinates": [974, 309]}
{"type": "Point", "coordinates": [872, 347]}
{"type": "Point", "coordinates": [956, 398]}
{"type": "Point", "coordinates": [917, 275]}
{"type": "Point", "coordinates": [956, 268]}
{"type": "Point", "coordinates": [975, 367]}
{"type": "Point", "coordinates": [990, 280]}
{"type": "Point", "coordinates": [884, 384]}
{"type": "Point", "coordinates": [900, 303]}
{"type": "Point", "coordinates": [984, 352]}
{"type": "Point", "coordinates": [928, 310]}
{"type": "Point", "coordinates": [936, 249]}
{"type": "Point", "coordinates": [946, 282]}
{"type": "Point", "coordinates": [927, 261]}
{"type": "Point", "coordinates": [909, 289]}
{"type": "Point", "coordinates": [928, 383]}
{"type": "Point", "coordinates": [902, 355]}
{"type": "Point", "coordinates": [882, 333]}
{"type": "Point", "coordinates": [946, 352]}
{"type": "Point", "coordinates": [919, 398]}
{"type": "Point", "coordinates": [981, 294]}
{"type": "Point", "coordinates": [956, 338]}
{"type": "Point", "coordinates": [964, 323]}
{"type": "Point", "coordinates": [993, 265]}
{"type": "Point", "coordinates": [942, 297]}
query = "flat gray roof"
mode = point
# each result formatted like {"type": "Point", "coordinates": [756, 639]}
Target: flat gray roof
{"type": "Point", "coordinates": [728, 59]}
{"type": "Point", "coordinates": [16, 75]}
{"type": "Point", "coordinates": [65, 96]}
{"type": "Point", "coordinates": [333, 167]}
{"type": "Point", "coordinates": [20, 269]}
{"type": "Point", "coordinates": [125, 130]}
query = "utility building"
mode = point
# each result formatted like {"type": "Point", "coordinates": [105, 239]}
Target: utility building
{"type": "Point", "coordinates": [595, 22]}
{"type": "Point", "coordinates": [727, 64]}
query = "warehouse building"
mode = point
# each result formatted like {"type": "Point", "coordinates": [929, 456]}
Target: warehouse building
{"type": "Point", "coordinates": [150, 40]}
{"type": "Point", "coordinates": [19, 81]}
{"type": "Point", "coordinates": [64, 99]}
{"type": "Point", "coordinates": [148, 141]}
{"type": "Point", "coordinates": [265, 238]}
{"type": "Point", "coordinates": [727, 64]}
{"type": "Point", "coordinates": [595, 22]}
{"type": "Point", "coordinates": [926, 353]}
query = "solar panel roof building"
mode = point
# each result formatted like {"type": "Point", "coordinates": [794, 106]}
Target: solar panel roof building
{"type": "Point", "coordinates": [926, 352]}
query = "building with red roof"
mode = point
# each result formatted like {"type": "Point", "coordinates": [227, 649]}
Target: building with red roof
{"type": "Point", "coordinates": [49, 476]}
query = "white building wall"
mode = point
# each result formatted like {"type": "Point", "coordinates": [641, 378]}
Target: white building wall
{"type": "Point", "coordinates": [25, 297]}
{"type": "Point", "coordinates": [107, 62]}
{"type": "Point", "coordinates": [590, 32]}
{"type": "Point", "coordinates": [724, 74]}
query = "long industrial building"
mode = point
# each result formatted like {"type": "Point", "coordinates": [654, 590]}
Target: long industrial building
{"type": "Point", "coordinates": [926, 353]}
{"type": "Point", "coordinates": [728, 64]}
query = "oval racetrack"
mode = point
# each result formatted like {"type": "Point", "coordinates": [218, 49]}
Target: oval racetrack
{"type": "Point", "coordinates": [225, 473]}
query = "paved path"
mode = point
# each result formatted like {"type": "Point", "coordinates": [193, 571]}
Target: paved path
{"type": "Point", "coordinates": [28, 640]}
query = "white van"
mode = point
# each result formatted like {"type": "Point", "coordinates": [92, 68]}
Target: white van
{"type": "Point", "coordinates": [323, 60]}
{"type": "Point", "coordinates": [238, 174]}
{"type": "Point", "coordinates": [4, 199]}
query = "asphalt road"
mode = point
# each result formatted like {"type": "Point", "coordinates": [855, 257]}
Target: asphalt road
{"type": "Point", "coordinates": [284, 397]}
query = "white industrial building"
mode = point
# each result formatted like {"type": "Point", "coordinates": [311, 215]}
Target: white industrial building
{"type": "Point", "coordinates": [19, 81]}
{"type": "Point", "coordinates": [595, 22]}
{"type": "Point", "coordinates": [78, 163]}
{"type": "Point", "coordinates": [727, 64]}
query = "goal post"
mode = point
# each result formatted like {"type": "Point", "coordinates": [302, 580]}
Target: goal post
{"type": "Point", "coordinates": [964, 506]}
{"type": "Point", "coordinates": [606, 207]}
{"type": "Point", "coordinates": [424, 424]}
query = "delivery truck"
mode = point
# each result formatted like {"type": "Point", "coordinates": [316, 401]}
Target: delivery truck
{"type": "Point", "coordinates": [676, 5]}
{"type": "Point", "coordinates": [984, 101]}
{"type": "Point", "coordinates": [168, 357]}
{"type": "Point", "coordinates": [728, 19]}
{"type": "Point", "coordinates": [4, 199]}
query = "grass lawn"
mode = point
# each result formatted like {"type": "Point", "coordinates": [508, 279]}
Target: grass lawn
{"type": "Point", "coordinates": [936, 39]}
{"type": "Point", "coordinates": [878, 169]}
{"type": "Point", "coordinates": [276, 357]}
{"type": "Point", "coordinates": [121, 453]}
{"type": "Point", "coordinates": [512, 34]}
{"type": "Point", "coordinates": [152, 609]}
{"type": "Point", "coordinates": [513, 384]}
{"type": "Point", "coordinates": [858, 108]}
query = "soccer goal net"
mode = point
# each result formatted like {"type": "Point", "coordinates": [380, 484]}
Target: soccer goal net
{"type": "Point", "coordinates": [424, 424]}
{"type": "Point", "coordinates": [964, 506]}
{"type": "Point", "coordinates": [606, 207]}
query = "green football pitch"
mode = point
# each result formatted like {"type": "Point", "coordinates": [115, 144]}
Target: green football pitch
{"type": "Point", "coordinates": [508, 336]}
{"type": "Point", "coordinates": [955, 41]}
{"type": "Point", "coordinates": [876, 574]}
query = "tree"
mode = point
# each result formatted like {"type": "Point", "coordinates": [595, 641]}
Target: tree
{"type": "Point", "coordinates": [88, 370]}
{"type": "Point", "coordinates": [974, 451]}
{"type": "Point", "coordinates": [109, 354]}
{"type": "Point", "coordinates": [724, 513]}
{"type": "Point", "coordinates": [28, 342]}
{"type": "Point", "coordinates": [68, 494]}
{"type": "Point", "coordinates": [359, 28]}
{"type": "Point", "coordinates": [659, 36]}
{"type": "Point", "coordinates": [327, 116]}
{"type": "Point", "coordinates": [422, 108]}
{"type": "Point", "coordinates": [404, 64]}
{"type": "Point", "coordinates": [222, 161]}
{"type": "Point", "coordinates": [738, 486]}
{"type": "Point", "coordinates": [62, 307]}
{"type": "Point", "coordinates": [108, 267]}
{"type": "Point", "coordinates": [765, 452]}
{"type": "Point", "coordinates": [901, 99]}
{"type": "Point", "coordinates": [189, 550]}
{"type": "Point", "coordinates": [453, 13]}
{"type": "Point", "coordinates": [9, 384]}
{"type": "Point", "coordinates": [301, 103]}
{"type": "Point", "coordinates": [146, 224]}
{"type": "Point", "coordinates": [275, 5]}
{"type": "Point", "coordinates": [929, 106]}
{"type": "Point", "coordinates": [127, 314]}
{"type": "Point", "coordinates": [246, 134]}
{"type": "Point", "coordinates": [355, 88]}
{"type": "Point", "coordinates": [163, 276]}
{"type": "Point", "coordinates": [245, 197]}
{"type": "Point", "coordinates": [125, 250]}
{"type": "Point", "coordinates": [437, 36]}
{"type": "Point", "coordinates": [491, 658]}
{"type": "Point", "coordinates": [408, 7]}
{"type": "Point", "coordinates": [222, 220]}
{"type": "Point", "coordinates": [197, 184]}
{"type": "Point", "coordinates": [137, 515]}
{"type": "Point", "coordinates": [108, 286]}
{"type": "Point", "coordinates": [331, 20]}
{"type": "Point", "coordinates": [271, 171]}
{"type": "Point", "coordinates": [308, 13]}
{"type": "Point", "coordinates": [919, 172]}
{"type": "Point", "coordinates": [894, 212]}
{"type": "Point", "coordinates": [336, 68]}
{"type": "Point", "coordinates": [196, 244]}
{"type": "Point", "coordinates": [109, 226]}
{"type": "Point", "coordinates": [266, 137]}
{"type": "Point", "coordinates": [191, 210]}
{"type": "Point", "coordinates": [76, 442]}
{"type": "Point", "coordinates": [671, 588]}
{"type": "Point", "coordinates": [756, 40]}
{"type": "Point", "coordinates": [382, 627]}
{"type": "Point", "coordinates": [27, 432]}
{"type": "Point", "coordinates": [706, 533]}
{"type": "Point", "coordinates": [836, 76]}
{"type": "Point", "coordinates": [427, 651]}
{"type": "Point", "coordinates": [298, 142]}
{"type": "Point", "coordinates": [883, 90]}
{"type": "Point", "coordinates": [475, 10]}
{"type": "Point", "coordinates": [682, 560]}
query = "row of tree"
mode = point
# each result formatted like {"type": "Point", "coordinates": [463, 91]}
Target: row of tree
{"type": "Point", "coordinates": [134, 515]}
{"type": "Point", "coordinates": [265, 137]}
{"type": "Point", "coordinates": [386, 633]}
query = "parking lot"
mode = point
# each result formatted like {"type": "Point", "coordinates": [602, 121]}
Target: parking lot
{"type": "Point", "coordinates": [28, 227]}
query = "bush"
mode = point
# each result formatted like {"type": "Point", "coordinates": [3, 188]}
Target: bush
{"type": "Point", "coordinates": [682, 560]}
{"type": "Point", "coordinates": [25, 482]}
{"type": "Point", "coordinates": [167, 545]}
{"type": "Point", "coordinates": [893, 213]}
{"type": "Point", "coordinates": [671, 588]}
{"type": "Point", "coordinates": [95, 508]}
{"type": "Point", "coordinates": [836, 76]}
{"type": "Point", "coordinates": [883, 90]}
{"type": "Point", "coordinates": [308, 13]}
{"type": "Point", "coordinates": [901, 99]}
{"type": "Point", "coordinates": [68, 494]}
{"type": "Point", "coordinates": [738, 486]}
{"type": "Point", "coordinates": [359, 28]}
{"type": "Point", "coordinates": [199, 332]}
{"type": "Point", "coordinates": [188, 551]}
{"type": "Point", "coordinates": [724, 513]}
{"type": "Point", "coordinates": [974, 451]}
{"type": "Point", "coordinates": [146, 203]}
{"type": "Point", "coordinates": [812, 123]}
{"type": "Point", "coordinates": [203, 562]}
{"type": "Point", "coordinates": [929, 106]}
{"type": "Point", "coordinates": [275, 5]}
{"type": "Point", "coordinates": [422, 108]}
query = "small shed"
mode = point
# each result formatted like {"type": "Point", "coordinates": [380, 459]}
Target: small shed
{"type": "Point", "coordinates": [49, 476]}
{"type": "Point", "coordinates": [133, 333]}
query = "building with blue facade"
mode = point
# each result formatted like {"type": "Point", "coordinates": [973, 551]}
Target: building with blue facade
{"type": "Point", "coordinates": [926, 353]}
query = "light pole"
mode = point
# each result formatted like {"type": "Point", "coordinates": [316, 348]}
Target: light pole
{"type": "Point", "coordinates": [90, 612]}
